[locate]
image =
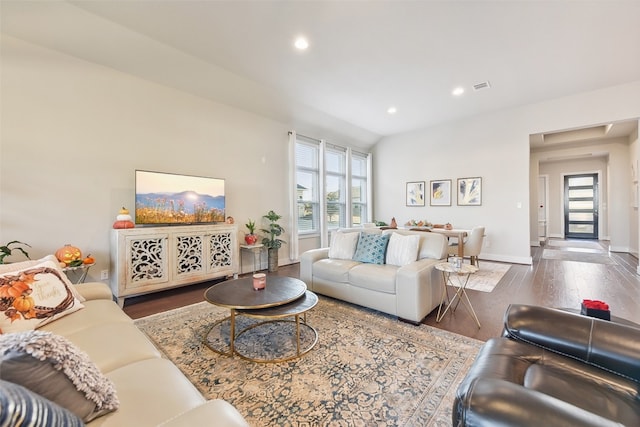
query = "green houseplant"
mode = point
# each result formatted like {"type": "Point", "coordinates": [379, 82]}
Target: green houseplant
{"type": "Point", "coordinates": [6, 250]}
{"type": "Point", "coordinates": [272, 241]}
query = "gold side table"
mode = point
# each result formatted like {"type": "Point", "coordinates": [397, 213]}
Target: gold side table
{"type": "Point", "coordinates": [257, 255]}
{"type": "Point", "coordinates": [78, 273]}
{"type": "Point", "coordinates": [458, 277]}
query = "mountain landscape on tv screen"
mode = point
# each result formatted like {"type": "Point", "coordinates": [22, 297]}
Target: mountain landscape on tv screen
{"type": "Point", "coordinates": [181, 208]}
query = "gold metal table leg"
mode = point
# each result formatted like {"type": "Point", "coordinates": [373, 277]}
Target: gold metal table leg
{"type": "Point", "coordinates": [232, 332]}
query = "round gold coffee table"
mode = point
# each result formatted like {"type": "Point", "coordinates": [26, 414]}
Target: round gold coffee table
{"type": "Point", "coordinates": [283, 297]}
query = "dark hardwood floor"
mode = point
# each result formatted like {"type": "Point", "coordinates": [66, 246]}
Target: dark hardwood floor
{"type": "Point", "coordinates": [547, 282]}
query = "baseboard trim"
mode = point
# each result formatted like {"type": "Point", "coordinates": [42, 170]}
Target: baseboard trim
{"type": "Point", "coordinates": [620, 249]}
{"type": "Point", "coordinates": [508, 259]}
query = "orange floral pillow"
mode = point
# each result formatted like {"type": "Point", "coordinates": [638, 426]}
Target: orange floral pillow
{"type": "Point", "coordinates": [34, 296]}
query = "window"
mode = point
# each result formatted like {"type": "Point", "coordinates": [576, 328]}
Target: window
{"type": "Point", "coordinates": [307, 180]}
{"type": "Point", "coordinates": [336, 188]}
{"type": "Point", "coordinates": [332, 186]}
{"type": "Point", "coordinates": [359, 168]}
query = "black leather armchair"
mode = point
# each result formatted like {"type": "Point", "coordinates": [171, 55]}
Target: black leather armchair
{"type": "Point", "coordinates": [553, 368]}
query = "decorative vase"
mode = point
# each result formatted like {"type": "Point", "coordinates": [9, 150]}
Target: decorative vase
{"type": "Point", "coordinates": [251, 239]}
{"type": "Point", "coordinates": [273, 259]}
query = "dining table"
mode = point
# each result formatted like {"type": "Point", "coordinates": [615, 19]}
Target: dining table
{"type": "Point", "coordinates": [458, 233]}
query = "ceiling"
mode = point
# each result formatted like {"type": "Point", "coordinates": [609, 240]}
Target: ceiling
{"type": "Point", "coordinates": [364, 56]}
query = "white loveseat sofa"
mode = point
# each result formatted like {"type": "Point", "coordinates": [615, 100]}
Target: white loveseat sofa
{"type": "Point", "coordinates": [406, 284]}
{"type": "Point", "coordinates": [150, 389]}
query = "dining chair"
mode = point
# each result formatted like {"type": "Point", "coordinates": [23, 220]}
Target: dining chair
{"type": "Point", "coordinates": [472, 246]}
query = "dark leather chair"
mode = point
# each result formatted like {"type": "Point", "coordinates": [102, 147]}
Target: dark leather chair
{"type": "Point", "coordinates": [553, 368]}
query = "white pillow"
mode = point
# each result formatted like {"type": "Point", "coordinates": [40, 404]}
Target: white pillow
{"type": "Point", "coordinates": [34, 295]}
{"type": "Point", "coordinates": [402, 249]}
{"type": "Point", "coordinates": [343, 245]}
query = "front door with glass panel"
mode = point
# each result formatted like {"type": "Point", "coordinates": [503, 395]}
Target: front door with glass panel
{"type": "Point", "coordinates": [581, 206]}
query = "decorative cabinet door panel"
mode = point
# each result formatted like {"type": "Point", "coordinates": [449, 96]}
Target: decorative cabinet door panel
{"type": "Point", "coordinates": [147, 260]}
{"type": "Point", "coordinates": [220, 251]}
{"type": "Point", "coordinates": [189, 255]}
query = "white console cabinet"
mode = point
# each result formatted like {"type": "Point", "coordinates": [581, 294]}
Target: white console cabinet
{"type": "Point", "coordinates": [150, 259]}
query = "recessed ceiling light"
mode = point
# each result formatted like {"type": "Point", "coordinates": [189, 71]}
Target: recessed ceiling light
{"type": "Point", "coordinates": [301, 43]}
{"type": "Point", "coordinates": [458, 91]}
{"type": "Point", "coordinates": [392, 110]}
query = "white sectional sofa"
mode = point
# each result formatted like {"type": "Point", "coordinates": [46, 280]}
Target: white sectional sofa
{"type": "Point", "coordinates": [150, 389]}
{"type": "Point", "coordinates": [406, 284]}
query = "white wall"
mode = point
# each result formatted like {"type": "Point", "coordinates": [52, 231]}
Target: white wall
{"type": "Point", "coordinates": [616, 220]}
{"type": "Point", "coordinates": [556, 171]}
{"type": "Point", "coordinates": [74, 132]}
{"type": "Point", "coordinates": [634, 226]}
{"type": "Point", "coordinates": [495, 147]}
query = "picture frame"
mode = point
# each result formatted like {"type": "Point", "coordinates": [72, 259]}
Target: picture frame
{"type": "Point", "coordinates": [415, 193]}
{"type": "Point", "coordinates": [440, 193]}
{"type": "Point", "coordinates": [470, 191]}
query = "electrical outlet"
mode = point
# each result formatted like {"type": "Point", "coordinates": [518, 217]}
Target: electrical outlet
{"type": "Point", "coordinates": [104, 275]}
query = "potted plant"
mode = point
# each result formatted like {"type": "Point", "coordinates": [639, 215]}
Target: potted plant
{"type": "Point", "coordinates": [251, 238]}
{"type": "Point", "coordinates": [272, 241]}
{"type": "Point", "coordinates": [6, 250]}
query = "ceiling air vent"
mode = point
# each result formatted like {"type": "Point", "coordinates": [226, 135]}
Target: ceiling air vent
{"type": "Point", "coordinates": [483, 85]}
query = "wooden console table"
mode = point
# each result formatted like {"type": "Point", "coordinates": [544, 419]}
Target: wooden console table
{"type": "Point", "coordinates": [151, 259]}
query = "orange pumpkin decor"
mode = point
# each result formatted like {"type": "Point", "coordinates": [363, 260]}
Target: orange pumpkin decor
{"type": "Point", "coordinates": [89, 259]}
{"type": "Point", "coordinates": [68, 254]}
{"type": "Point", "coordinates": [14, 289]}
{"type": "Point", "coordinates": [123, 219]}
{"type": "Point", "coordinates": [24, 303]}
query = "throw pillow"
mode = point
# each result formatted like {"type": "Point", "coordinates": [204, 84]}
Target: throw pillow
{"type": "Point", "coordinates": [21, 406]}
{"type": "Point", "coordinates": [53, 367]}
{"type": "Point", "coordinates": [16, 266]}
{"type": "Point", "coordinates": [371, 248]}
{"type": "Point", "coordinates": [343, 245]}
{"type": "Point", "coordinates": [403, 249]}
{"type": "Point", "coordinates": [34, 296]}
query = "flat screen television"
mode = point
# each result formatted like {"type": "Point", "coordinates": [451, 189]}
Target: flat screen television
{"type": "Point", "coordinates": [168, 198]}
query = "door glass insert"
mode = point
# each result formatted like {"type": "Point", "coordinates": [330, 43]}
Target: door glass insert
{"type": "Point", "coordinates": [581, 206]}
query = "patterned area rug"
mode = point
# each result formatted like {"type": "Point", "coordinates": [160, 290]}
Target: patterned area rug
{"type": "Point", "coordinates": [488, 276]}
{"type": "Point", "coordinates": [367, 369]}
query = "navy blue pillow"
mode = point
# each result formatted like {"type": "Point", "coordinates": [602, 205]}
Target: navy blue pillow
{"type": "Point", "coordinates": [31, 409]}
{"type": "Point", "coordinates": [371, 248]}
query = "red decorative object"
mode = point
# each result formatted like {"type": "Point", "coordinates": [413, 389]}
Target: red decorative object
{"type": "Point", "coordinates": [251, 239]}
{"type": "Point", "coordinates": [123, 219]}
{"type": "Point", "coordinates": [595, 308]}
{"type": "Point", "coordinates": [123, 224]}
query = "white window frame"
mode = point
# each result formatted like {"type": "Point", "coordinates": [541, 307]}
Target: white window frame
{"type": "Point", "coordinates": [320, 214]}
{"type": "Point", "coordinates": [316, 199]}
{"type": "Point", "coordinates": [341, 177]}
{"type": "Point", "coordinates": [365, 203]}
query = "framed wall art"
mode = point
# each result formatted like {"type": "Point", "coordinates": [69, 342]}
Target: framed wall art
{"type": "Point", "coordinates": [469, 191]}
{"type": "Point", "coordinates": [415, 193]}
{"type": "Point", "coordinates": [440, 193]}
